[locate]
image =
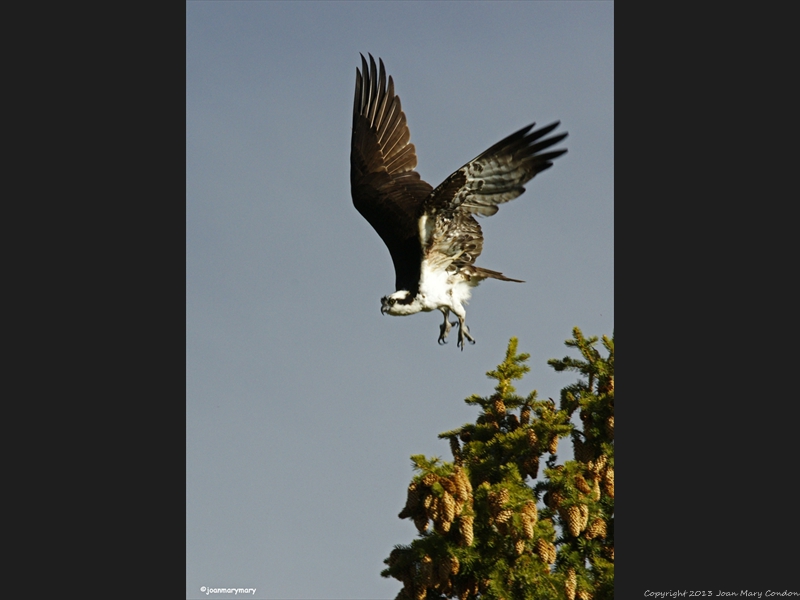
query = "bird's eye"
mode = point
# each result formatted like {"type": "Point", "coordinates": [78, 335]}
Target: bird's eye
{"type": "Point", "coordinates": [392, 301]}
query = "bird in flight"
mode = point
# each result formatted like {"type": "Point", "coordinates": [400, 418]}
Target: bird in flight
{"type": "Point", "coordinates": [432, 234]}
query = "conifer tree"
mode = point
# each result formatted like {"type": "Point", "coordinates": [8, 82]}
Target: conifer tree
{"type": "Point", "coordinates": [507, 521]}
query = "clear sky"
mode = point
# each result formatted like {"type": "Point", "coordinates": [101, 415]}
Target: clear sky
{"type": "Point", "coordinates": [304, 403]}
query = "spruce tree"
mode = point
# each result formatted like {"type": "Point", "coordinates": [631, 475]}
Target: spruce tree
{"type": "Point", "coordinates": [507, 520]}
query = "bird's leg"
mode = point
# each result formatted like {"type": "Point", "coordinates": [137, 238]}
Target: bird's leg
{"type": "Point", "coordinates": [463, 332]}
{"type": "Point", "coordinates": [444, 328]}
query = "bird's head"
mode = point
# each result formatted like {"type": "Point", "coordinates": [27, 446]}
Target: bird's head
{"type": "Point", "coordinates": [399, 303]}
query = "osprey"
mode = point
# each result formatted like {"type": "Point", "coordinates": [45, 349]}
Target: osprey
{"type": "Point", "coordinates": [432, 234]}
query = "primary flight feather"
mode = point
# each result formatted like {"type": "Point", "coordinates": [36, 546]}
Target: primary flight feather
{"type": "Point", "coordinates": [432, 234]}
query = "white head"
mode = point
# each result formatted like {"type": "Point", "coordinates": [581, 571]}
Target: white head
{"type": "Point", "coordinates": [400, 303]}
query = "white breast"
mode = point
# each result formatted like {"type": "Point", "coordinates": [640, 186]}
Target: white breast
{"type": "Point", "coordinates": [439, 289]}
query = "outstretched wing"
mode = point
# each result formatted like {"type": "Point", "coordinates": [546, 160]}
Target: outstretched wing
{"type": "Point", "coordinates": [448, 230]}
{"type": "Point", "coordinates": [386, 189]}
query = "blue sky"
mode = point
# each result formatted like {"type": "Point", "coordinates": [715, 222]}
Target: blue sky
{"type": "Point", "coordinates": [304, 403]}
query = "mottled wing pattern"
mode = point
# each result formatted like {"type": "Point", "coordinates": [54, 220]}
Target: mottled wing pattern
{"type": "Point", "coordinates": [498, 174]}
{"type": "Point", "coordinates": [386, 189]}
{"type": "Point", "coordinates": [450, 233]}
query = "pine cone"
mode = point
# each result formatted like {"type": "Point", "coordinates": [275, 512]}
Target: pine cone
{"type": "Point", "coordinates": [532, 439]}
{"type": "Point", "coordinates": [546, 551]}
{"type": "Point", "coordinates": [543, 550]}
{"type": "Point", "coordinates": [606, 385]}
{"type": "Point", "coordinates": [551, 557]}
{"type": "Point", "coordinates": [429, 479]}
{"type": "Point", "coordinates": [553, 499]}
{"type": "Point", "coordinates": [553, 448]}
{"type": "Point", "coordinates": [601, 463]}
{"type": "Point", "coordinates": [449, 505]}
{"type": "Point", "coordinates": [572, 516]}
{"type": "Point", "coordinates": [504, 496]}
{"type": "Point", "coordinates": [463, 486]}
{"type": "Point", "coordinates": [519, 546]}
{"type": "Point", "coordinates": [608, 482]}
{"type": "Point", "coordinates": [531, 466]}
{"type": "Point", "coordinates": [610, 426]}
{"type": "Point", "coordinates": [421, 523]}
{"type": "Point", "coordinates": [426, 570]}
{"type": "Point", "coordinates": [412, 501]}
{"type": "Point", "coordinates": [581, 450]}
{"type": "Point", "coordinates": [432, 506]}
{"type": "Point", "coordinates": [582, 484]}
{"type": "Point", "coordinates": [525, 415]}
{"type": "Point", "coordinates": [596, 489]}
{"type": "Point", "coordinates": [584, 515]}
{"type": "Point", "coordinates": [584, 595]}
{"type": "Point", "coordinates": [499, 407]}
{"type": "Point", "coordinates": [448, 484]}
{"type": "Point", "coordinates": [596, 529]}
{"type": "Point", "coordinates": [504, 516]}
{"type": "Point", "coordinates": [443, 571]}
{"type": "Point", "coordinates": [527, 526]}
{"type": "Point", "coordinates": [441, 526]}
{"type": "Point", "coordinates": [465, 528]}
{"type": "Point", "coordinates": [497, 500]}
{"type": "Point", "coordinates": [570, 584]}
{"type": "Point", "coordinates": [529, 509]}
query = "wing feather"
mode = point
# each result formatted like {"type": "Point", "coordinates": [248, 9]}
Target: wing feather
{"type": "Point", "coordinates": [451, 235]}
{"type": "Point", "coordinates": [386, 189]}
{"type": "Point", "coordinates": [498, 174]}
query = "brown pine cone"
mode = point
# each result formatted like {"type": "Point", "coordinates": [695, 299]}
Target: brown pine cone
{"type": "Point", "coordinates": [525, 415]}
{"type": "Point", "coordinates": [465, 528]}
{"type": "Point", "coordinates": [572, 516]}
{"type": "Point", "coordinates": [570, 584]}
{"type": "Point", "coordinates": [532, 439]}
{"type": "Point", "coordinates": [596, 529]}
{"type": "Point", "coordinates": [584, 595]}
{"type": "Point", "coordinates": [449, 505]}
{"type": "Point", "coordinates": [608, 482]}
{"type": "Point", "coordinates": [429, 479]}
{"type": "Point", "coordinates": [581, 450]}
{"type": "Point", "coordinates": [531, 466]}
{"type": "Point", "coordinates": [519, 546]}
{"type": "Point", "coordinates": [463, 486]}
{"type": "Point", "coordinates": [421, 523]}
{"type": "Point", "coordinates": [499, 407]}
{"type": "Point", "coordinates": [527, 526]}
{"type": "Point", "coordinates": [441, 526]}
{"type": "Point", "coordinates": [582, 485]}
{"type": "Point", "coordinates": [584, 515]}
{"type": "Point", "coordinates": [553, 447]}
{"type": "Point", "coordinates": [601, 463]}
{"type": "Point", "coordinates": [609, 425]}
{"type": "Point", "coordinates": [504, 516]}
{"type": "Point", "coordinates": [432, 506]}
{"type": "Point", "coordinates": [596, 489]}
{"type": "Point", "coordinates": [412, 501]}
{"type": "Point", "coordinates": [448, 484]}
{"type": "Point", "coordinates": [529, 509]}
